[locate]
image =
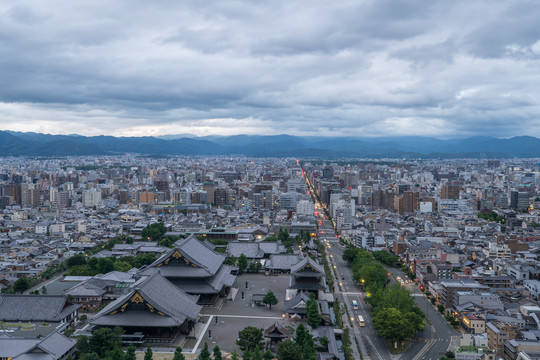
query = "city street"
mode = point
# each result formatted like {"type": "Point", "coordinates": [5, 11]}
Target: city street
{"type": "Point", "coordinates": [430, 344]}
{"type": "Point", "coordinates": [437, 337]}
{"type": "Point", "coordinates": [371, 344]}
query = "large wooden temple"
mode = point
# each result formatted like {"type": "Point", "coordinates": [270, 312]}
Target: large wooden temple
{"type": "Point", "coordinates": [154, 309]}
{"type": "Point", "coordinates": [196, 269]}
{"type": "Point", "coordinates": [308, 275]}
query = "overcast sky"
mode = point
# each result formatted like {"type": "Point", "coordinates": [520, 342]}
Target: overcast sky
{"type": "Point", "coordinates": [329, 68]}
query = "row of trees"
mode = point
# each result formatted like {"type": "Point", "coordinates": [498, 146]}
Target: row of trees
{"type": "Point", "coordinates": [153, 232]}
{"type": "Point", "coordinates": [395, 314]}
{"type": "Point", "coordinates": [386, 258]}
{"type": "Point", "coordinates": [81, 265]}
{"type": "Point", "coordinates": [302, 347]}
{"type": "Point", "coordinates": [366, 271]}
{"type": "Point", "coordinates": [105, 344]}
{"type": "Point", "coordinates": [251, 342]}
{"type": "Point", "coordinates": [492, 216]}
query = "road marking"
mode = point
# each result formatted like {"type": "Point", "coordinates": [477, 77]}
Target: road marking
{"type": "Point", "coordinates": [245, 316]}
{"type": "Point", "coordinates": [374, 348]}
{"type": "Point", "coordinates": [424, 350]}
{"type": "Point", "coordinates": [202, 335]}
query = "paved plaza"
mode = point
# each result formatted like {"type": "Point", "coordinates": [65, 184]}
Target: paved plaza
{"type": "Point", "coordinates": [235, 315]}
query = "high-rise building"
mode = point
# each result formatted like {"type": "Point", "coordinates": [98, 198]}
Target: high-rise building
{"type": "Point", "coordinates": [147, 198]}
{"type": "Point", "coordinates": [450, 191]}
{"type": "Point", "coordinates": [398, 204]}
{"type": "Point", "coordinates": [91, 198]}
{"type": "Point", "coordinates": [365, 195]}
{"type": "Point", "coordinates": [210, 189]}
{"type": "Point", "coordinates": [297, 185]}
{"type": "Point", "coordinates": [411, 201]}
{"type": "Point", "coordinates": [220, 197]}
{"type": "Point", "coordinates": [328, 173]}
{"type": "Point", "coordinates": [305, 207]}
{"type": "Point", "coordinates": [401, 188]}
{"type": "Point", "coordinates": [287, 201]}
{"type": "Point", "coordinates": [519, 200]}
{"type": "Point", "coordinates": [30, 195]}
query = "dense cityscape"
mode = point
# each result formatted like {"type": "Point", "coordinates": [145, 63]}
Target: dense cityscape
{"type": "Point", "coordinates": [270, 180]}
{"type": "Point", "coordinates": [169, 257]}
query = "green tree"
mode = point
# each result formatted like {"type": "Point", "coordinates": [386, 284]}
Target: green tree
{"type": "Point", "coordinates": [105, 265]}
{"type": "Point", "coordinates": [242, 263]}
{"type": "Point", "coordinates": [289, 350]}
{"type": "Point", "coordinates": [104, 340]}
{"type": "Point", "coordinates": [166, 242]}
{"type": "Point", "coordinates": [392, 325]}
{"type": "Point", "coordinates": [43, 290]}
{"type": "Point", "coordinates": [154, 231]}
{"type": "Point", "coordinates": [301, 334]}
{"type": "Point", "coordinates": [217, 353]}
{"type": "Point", "coordinates": [148, 355]}
{"type": "Point", "coordinates": [83, 345]}
{"type": "Point", "coordinates": [21, 285]}
{"type": "Point", "coordinates": [314, 318]}
{"type": "Point", "coordinates": [93, 264]}
{"type": "Point", "coordinates": [267, 355]}
{"type": "Point", "coordinates": [323, 340]}
{"type": "Point", "coordinates": [234, 355]}
{"type": "Point", "coordinates": [270, 299]}
{"type": "Point", "coordinates": [249, 338]}
{"type": "Point", "coordinates": [305, 340]}
{"type": "Point", "coordinates": [178, 354]}
{"type": "Point", "coordinates": [130, 352]}
{"type": "Point", "coordinates": [205, 353]}
{"type": "Point", "coordinates": [256, 355]}
{"type": "Point", "coordinates": [115, 354]}
{"type": "Point", "coordinates": [76, 260]}
{"type": "Point", "coordinates": [254, 267]}
{"type": "Point", "coordinates": [122, 266]}
{"type": "Point", "coordinates": [89, 356]}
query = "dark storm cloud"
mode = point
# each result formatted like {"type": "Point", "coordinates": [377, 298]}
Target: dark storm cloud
{"type": "Point", "coordinates": [357, 67]}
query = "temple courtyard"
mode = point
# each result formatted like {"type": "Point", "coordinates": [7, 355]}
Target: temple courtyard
{"type": "Point", "coordinates": [222, 325]}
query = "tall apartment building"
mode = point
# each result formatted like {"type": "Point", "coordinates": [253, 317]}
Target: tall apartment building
{"type": "Point", "coordinates": [450, 191]}
{"type": "Point", "coordinates": [498, 333]}
{"type": "Point", "coordinates": [411, 201]}
{"type": "Point", "coordinates": [30, 195]}
{"type": "Point", "coordinates": [147, 198]}
{"type": "Point", "coordinates": [91, 198]}
{"type": "Point", "coordinates": [210, 189]}
{"type": "Point", "coordinates": [297, 185]}
{"type": "Point", "coordinates": [305, 207]}
{"type": "Point", "coordinates": [519, 200]}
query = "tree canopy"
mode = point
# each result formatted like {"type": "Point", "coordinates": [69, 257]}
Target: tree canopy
{"type": "Point", "coordinates": [249, 338]}
{"type": "Point", "coordinates": [289, 350]}
{"type": "Point", "coordinates": [270, 298]}
{"type": "Point", "coordinates": [314, 318]}
{"type": "Point", "coordinates": [154, 231]}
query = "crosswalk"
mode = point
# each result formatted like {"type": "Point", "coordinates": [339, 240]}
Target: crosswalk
{"type": "Point", "coordinates": [374, 348]}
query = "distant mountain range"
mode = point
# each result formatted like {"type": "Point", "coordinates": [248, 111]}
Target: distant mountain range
{"type": "Point", "coordinates": [35, 144]}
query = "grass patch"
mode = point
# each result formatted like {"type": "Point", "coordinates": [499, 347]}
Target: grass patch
{"type": "Point", "coordinates": [16, 324]}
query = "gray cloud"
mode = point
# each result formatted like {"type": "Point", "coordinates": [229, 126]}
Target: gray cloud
{"type": "Point", "coordinates": [368, 67]}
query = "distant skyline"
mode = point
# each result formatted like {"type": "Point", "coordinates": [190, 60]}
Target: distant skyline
{"type": "Point", "coordinates": [310, 68]}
